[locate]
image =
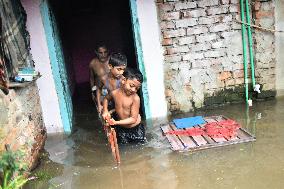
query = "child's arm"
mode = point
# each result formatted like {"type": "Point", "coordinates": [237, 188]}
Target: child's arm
{"type": "Point", "coordinates": [134, 113]}
{"type": "Point", "coordinates": [98, 96]}
{"type": "Point", "coordinates": [106, 113]}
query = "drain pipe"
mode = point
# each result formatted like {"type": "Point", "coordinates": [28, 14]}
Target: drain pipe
{"type": "Point", "coordinates": [244, 49]}
{"type": "Point", "coordinates": [255, 87]}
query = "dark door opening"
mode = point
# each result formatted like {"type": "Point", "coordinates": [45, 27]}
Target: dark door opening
{"type": "Point", "coordinates": [84, 24]}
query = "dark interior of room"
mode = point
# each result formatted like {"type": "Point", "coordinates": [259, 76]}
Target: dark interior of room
{"type": "Point", "coordinates": [84, 24]}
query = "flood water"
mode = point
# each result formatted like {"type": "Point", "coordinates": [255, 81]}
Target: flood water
{"type": "Point", "coordinates": [84, 161]}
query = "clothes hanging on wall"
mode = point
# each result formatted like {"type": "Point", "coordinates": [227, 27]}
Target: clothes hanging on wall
{"type": "Point", "coordinates": [14, 37]}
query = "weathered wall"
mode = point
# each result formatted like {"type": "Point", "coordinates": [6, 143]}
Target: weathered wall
{"type": "Point", "coordinates": [279, 21]}
{"type": "Point", "coordinates": [265, 57]}
{"type": "Point", "coordinates": [203, 52]}
{"type": "Point", "coordinates": [39, 51]}
{"type": "Point", "coordinates": [21, 124]}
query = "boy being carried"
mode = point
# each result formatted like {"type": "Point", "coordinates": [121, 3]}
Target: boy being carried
{"type": "Point", "coordinates": [111, 81]}
{"type": "Point", "coordinates": [126, 119]}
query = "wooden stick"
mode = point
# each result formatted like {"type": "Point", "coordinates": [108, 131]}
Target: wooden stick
{"type": "Point", "coordinates": [110, 135]}
{"type": "Point", "coordinates": [116, 146]}
{"type": "Point", "coordinates": [258, 27]}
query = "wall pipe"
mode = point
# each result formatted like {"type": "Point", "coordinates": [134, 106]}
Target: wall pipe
{"type": "Point", "coordinates": [244, 49]}
{"type": "Point", "coordinates": [250, 43]}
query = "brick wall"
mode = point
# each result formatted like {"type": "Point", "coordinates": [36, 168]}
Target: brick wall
{"type": "Point", "coordinates": [264, 16]}
{"type": "Point", "coordinates": [21, 124]}
{"type": "Point", "coordinates": [203, 52]}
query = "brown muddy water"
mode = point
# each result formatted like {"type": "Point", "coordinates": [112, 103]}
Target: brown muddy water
{"type": "Point", "coordinates": [84, 161]}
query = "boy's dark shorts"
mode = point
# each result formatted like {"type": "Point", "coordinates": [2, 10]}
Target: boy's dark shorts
{"type": "Point", "coordinates": [130, 135]}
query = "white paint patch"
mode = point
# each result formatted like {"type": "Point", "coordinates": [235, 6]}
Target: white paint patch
{"type": "Point", "coordinates": [39, 50]}
{"type": "Point", "coordinates": [153, 57]}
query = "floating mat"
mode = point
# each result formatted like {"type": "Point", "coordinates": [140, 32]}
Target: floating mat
{"type": "Point", "coordinates": [188, 122]}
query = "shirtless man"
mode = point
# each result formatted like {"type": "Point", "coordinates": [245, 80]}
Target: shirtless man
{"type": "Point", "coordinates": [126, 119]}
{"type": "Point", "coordinates": [98, 68]}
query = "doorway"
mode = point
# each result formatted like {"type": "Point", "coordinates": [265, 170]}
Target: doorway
{"type": "Point", "coordinates": [81, 26]}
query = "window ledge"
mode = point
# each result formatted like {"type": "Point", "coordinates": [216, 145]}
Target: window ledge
{"type": "Point", "coordinates": [13, 85]}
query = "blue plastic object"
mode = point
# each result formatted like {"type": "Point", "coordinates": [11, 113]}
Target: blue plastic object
{"type": "Point", "coordinates": [188, 122]}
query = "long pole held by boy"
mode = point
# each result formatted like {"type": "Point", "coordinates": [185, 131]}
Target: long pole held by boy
{"type": "Point", "coordinates": [126, 120]}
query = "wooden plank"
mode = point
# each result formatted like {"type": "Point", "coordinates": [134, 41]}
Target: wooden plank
{"type": "Point", "coordinates": [199, 140]}
{"type": "Point", "coordinates": [243, 134]}
{"type": "Point", "coordinates": [209, 119]}
{"type": "Point", "coordinates": [187, 141]}
{"type": "Point", "coordinates": [206, 137]}
{"type": "Point", "coordinates": [173, 140]}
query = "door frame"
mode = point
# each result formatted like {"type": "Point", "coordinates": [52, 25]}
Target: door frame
{"type": "Point", "coordinates": [57, 66]}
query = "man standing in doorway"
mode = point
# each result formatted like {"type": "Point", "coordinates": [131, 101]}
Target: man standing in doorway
{"type": "Point", "coordinates": [98, 68]}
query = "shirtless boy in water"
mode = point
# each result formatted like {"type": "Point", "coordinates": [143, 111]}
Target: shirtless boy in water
{"type": "Point", "coordinates": [98, 68]}
{"type": "Point", "coordinates": [112, 80]}
{"type": "Point", "coordinates": [126, 119]}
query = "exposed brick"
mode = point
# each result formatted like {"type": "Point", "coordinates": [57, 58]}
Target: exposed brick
{"type": "Point", "coordinates": [261, 14]}
{"type": "Point", "coordinates": [218, 44]}
{"type": "Point", "coordinates": [229, 34]}
{"type": "Point", "coordinates": [225, 18]}
{"type": "Point", "coordinates": [180, 49]}
{"type": "Point", "coordinates": [238, 74]}
{"type": "Point", "coordinates": [230, 82]}
{"type": "Point", "coordinates": [224, 2]}
{"type": "Point", "coordinates": [225, 75]}
{"type": "Point", "coordinates": [206, 20]}
{"type": "Point", "coordinates": [238, 66]}
{"type": "Point", "coordinates": [234, 8]}
{"type": "Point", "coordinates": [167, 41]}
{"type": "Point", "coordinates": [235, 1]}
{"type": "Point", "coordinates": [201, 47]}
{"type": "Point", "coordinates": [186, 40]}
{"type": "Point", "coordinates": [169, 93]}
{"type": "Point", "coordinates": [214, 54]}
{"type": "Point", "coordinates": [174, 33]}
{"type": "Point", "coordinates": [201, 63]}
{"type": "Point", "coordinates": [239, 81]}
{"type": "Point", "coordinates": [236, 26]}
{"type": "Point", "coordinates": [257, 5]}
{"type": "Point", "coordinates": [172, 58]}
{"type": "Point", "coordinates": [267, 6]}
{"type": "Point", "coordinates": [219, 27]}
{"type": "Point", "coordinates": [185, 5]}
{"type": "Point", "coordinates": [194, 13]}
{"type": "Point", "coordinates": [165, 7]}
{"type": "Point", "coordinates": [206, 37]}
{"type": "Point", "coordinates": [207, 3]}
{"type": "Point", "coordinates": [217, 10]}
{"type": "Point", "coordinates": [170, 16]}
{"type": "Point", "coordinates": [196, 30]}
{"type": "Point", "coordinates": [186, 22]}
{"type": "Point", "coordinates": [171, 0]}
{"type": "Point", "coordinates": [167, 25]}
{"type": "Point", "coordinates": [192, 56]}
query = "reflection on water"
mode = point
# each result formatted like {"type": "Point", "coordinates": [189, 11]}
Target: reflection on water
{"type": "Point", "coordinates": [83, 160]}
